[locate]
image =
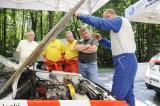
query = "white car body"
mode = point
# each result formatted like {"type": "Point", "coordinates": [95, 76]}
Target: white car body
{"type": "Point", "coordinates": [152, 77]}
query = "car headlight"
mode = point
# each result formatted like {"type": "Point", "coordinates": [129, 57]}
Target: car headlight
{"type": "Point", "coordinates": [151, 64]}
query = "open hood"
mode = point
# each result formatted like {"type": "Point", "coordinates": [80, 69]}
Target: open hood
{"type": "Point", "coordinates": [89, 7]}
{"type": "Point", "coordinates": [147, 11]}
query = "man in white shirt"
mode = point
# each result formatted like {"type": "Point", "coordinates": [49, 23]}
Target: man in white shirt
{"type": "Point", "coordinates": [25, 47]}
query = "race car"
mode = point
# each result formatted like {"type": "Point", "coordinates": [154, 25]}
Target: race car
{"type": "Point", "coordinates": [152, 77]}
{"type": "Point", "coordinates": [41, 87]}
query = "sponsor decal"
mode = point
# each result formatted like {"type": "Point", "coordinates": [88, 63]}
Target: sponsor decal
{"type": "Point", "coordinates": [151, 2]}
{"type": "Point", "coordinates": [139, 5]}
{"type": "Point", "coordinates": [131, 11]}
{"type": "Point", "coordinates": [13, 103]}
{"type": "Point", "coordinates": [153, 80]}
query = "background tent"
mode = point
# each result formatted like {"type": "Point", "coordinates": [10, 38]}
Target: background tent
{"type": "Point", "coordinates": [89, 7]}
{"type": "Point", "coordinates": [147, 11]}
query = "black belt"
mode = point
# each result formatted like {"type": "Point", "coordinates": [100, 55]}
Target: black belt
{"type": "Point", "coordinates": [82, 61]}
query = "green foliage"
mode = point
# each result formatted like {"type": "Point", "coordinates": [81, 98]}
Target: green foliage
{"type": "Point", "coordinates": [15, 23]}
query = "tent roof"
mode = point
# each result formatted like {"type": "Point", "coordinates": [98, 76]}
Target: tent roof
{"type": "Point", "coordinates": [147, 11]}
{"type": "Point", "coordinates": [89, 7]}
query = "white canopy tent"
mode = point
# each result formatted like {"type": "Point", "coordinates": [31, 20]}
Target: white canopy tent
{"type": "Point", "coordinates": [147, 11]}
{"type": "Point", "coordinates": [89, 7]}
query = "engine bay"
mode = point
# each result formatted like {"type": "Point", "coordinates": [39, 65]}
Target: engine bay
{"type": "Point", "coordinates": [36, 84]}
{"type": "Point", "coordinates": [66, 86]}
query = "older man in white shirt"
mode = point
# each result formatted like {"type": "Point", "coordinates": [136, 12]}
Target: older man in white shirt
{"type": "Point", "coordinates": [25, 47]}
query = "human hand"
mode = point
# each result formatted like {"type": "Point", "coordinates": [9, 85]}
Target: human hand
{"type": "Point", "coordinates": [97, 36]}
{"type": "Point", "coordinates": [87, 46]}
{"type": "Point", "coordinates": [76, 15]}
{"type": "Point", "coordinates": [79, 47]}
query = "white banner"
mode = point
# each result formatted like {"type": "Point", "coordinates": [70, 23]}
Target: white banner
{"type": "Point", "coordinates": [13, 103]}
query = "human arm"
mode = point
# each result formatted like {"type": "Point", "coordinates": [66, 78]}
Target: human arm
{"type": "Point", "coordinates": [81, 47]}
{"type": "Point", "coordinates": [44, 53]}
{"type": "Point", "coordinates": [105, 42]}
{"type": "Point", "coordinates": [63, 47]}
{"type": "Point", "coordinates": [91, 49]}
{"type": "Point", "coordinates": [113, 24]}
{"type": "Point", "coordinates": [18, 49]}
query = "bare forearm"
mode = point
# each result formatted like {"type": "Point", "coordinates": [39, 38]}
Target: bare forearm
{"type": "Point", "coordinates": [91, 49]}
{"type": "Point", "coordinates": [81, 47]}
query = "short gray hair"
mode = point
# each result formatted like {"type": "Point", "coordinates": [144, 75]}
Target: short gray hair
{"type": "Point", "coordinates": [84, 28]}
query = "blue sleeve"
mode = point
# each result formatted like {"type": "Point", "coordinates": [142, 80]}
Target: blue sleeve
{"type": "Point", "coordinates": [105, 42]}
{"type": "Point", "coordinates": [113, 24]}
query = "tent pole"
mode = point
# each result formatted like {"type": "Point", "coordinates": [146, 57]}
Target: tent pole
{"type": "Point", "coordinates": [90, 12]}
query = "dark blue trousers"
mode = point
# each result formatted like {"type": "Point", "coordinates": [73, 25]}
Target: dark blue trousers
{"type": "Point", "coordinates": [125, 70]}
